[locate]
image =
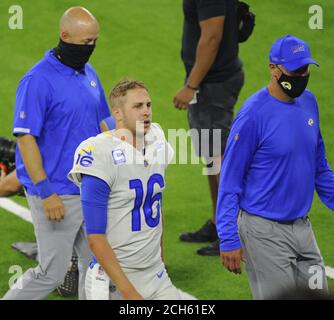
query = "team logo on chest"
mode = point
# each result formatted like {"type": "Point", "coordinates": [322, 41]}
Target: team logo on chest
{"type": "Point", "coordinates": [158, 145]}
{"type": "Point", "coordinates": [118, 156]}
{"type": "Point", "coordinates": [22, 115]}
{"type": "Point", "coordinates": [93, 84]}
{"type": "Point", "coordinates": [310, 122]}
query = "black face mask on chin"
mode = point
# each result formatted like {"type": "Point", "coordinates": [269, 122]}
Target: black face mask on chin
{"type": "Point", "coordinates": [293, 86]}
{"type": "Point", "coordinates": [73, 55]}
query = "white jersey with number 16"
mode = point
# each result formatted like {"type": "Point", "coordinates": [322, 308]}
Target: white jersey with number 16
{"type": "Point", "coordinates": [136, 180]}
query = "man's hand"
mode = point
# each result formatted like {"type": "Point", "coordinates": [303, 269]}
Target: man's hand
{"type": "Point", "coordinates": [53, 207]}
{"type": "Point", "coordinates": [232, 260]}
{"type": "Point", "coordinates": [183, 97]}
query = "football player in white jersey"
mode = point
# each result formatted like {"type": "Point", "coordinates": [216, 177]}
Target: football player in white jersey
{"type": "Point", "coordinates": [121, 175]}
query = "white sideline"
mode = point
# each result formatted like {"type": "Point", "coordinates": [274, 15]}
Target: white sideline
{"type": "Point", "coordinates": [24, 213]}
{"type": "Point", "coordinates": [15, 208]}
{"type": "Point", "coordinates": [329, 272]}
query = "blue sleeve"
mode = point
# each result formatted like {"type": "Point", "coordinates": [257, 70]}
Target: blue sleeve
{"type": "Point", "coordinates": [94, 199]}
{"type": "Point", "coordinates": [324, 180]}
{"type": "Point", "coordinates": [33, 96]}
{"type": "Point", "coordinates": [241, 145]}
{"type": "Point", "coordinates": [104, 108]}
{"type": "Point", "coordinates": [110, 122]}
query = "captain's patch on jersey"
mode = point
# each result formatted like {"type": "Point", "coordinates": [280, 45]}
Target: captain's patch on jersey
{"type": "Point", "coordinates": [118, 156]}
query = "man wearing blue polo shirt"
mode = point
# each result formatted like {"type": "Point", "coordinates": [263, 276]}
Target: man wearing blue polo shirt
{"type": "Point", "coordinates": [59, 103]}
{"type": "Point", "coordinates": [274, 160]}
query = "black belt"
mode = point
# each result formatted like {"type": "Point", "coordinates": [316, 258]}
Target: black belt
{"type": "Point", "coordinates": [293, 221]}
{"type": "Point", "coordinates": [280, 222]}
{"type": "Point", "coordinates": [286, 222]}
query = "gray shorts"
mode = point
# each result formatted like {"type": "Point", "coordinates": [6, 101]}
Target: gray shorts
{"type": "Point", "coordinates": [214, 110]}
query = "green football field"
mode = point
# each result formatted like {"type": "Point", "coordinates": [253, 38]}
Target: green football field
{"type": "Point", "coordinates": [141, 39]}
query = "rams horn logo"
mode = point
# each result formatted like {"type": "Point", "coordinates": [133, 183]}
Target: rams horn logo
{"type": "Point", "coordinates": [286, 85]}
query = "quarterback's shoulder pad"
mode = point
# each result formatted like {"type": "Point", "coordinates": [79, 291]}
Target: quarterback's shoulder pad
{"type": "Point", "coordinates": [91, 158]}
{"type": "Point", "coordinates": [89, 145]}
{"type": "Point", "coordinates": [158, 135]}
{"type": "Point", "coordinates": [157, 131]}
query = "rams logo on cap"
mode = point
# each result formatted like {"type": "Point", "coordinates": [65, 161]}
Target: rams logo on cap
{"type": "Point", "coordinates": [298, 48]}
{"type": "Point", "coordinates": [286, 85]}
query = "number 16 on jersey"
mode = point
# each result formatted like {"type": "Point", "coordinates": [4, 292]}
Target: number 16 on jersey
{"type": "Point", "coordinates": [150, 199]}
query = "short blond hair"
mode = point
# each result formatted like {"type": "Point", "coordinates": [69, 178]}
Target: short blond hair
{"type": "Point", "coordinates": [121, 88]}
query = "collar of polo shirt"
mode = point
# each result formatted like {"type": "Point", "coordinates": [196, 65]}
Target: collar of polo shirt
{"type": "Point", "coordinates": [62, 68]}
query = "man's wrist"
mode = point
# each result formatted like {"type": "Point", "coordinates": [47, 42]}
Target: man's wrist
{"type": "Point", "coordinates": [191, 87]}
{"type": "Point", "coordinates": [44, 188]}
{"type": "Point", "coordinates": [229, 245]}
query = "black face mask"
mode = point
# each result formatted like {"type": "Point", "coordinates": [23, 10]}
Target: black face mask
{"type": "Point", "coordinates": [73, 55]}
{"type": "Point", "coordinates": [293, 86]}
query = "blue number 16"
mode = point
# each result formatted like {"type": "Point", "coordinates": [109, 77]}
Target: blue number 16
{"type": "Point", "coordinates": [137, 185]}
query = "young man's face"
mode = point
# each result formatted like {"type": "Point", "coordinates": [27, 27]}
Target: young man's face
{"type": "Point", "coordinates": [137, 109]}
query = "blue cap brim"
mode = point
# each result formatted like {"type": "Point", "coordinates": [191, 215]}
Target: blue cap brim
{"type": "Point", "coordinates": [294, 65]}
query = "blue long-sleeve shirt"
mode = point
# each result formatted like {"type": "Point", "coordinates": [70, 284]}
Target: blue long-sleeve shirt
{"type": "Point", "coordinates": [273, 162]}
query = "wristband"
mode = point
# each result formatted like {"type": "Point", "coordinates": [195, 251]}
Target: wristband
{"type": "Point", "coordinates": [44, 188]}
{"type": "Point", "coordinates": [190, 87]}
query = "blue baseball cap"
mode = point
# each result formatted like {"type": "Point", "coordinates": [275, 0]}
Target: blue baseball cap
{"type": "Point", "coordinates": [291, 52]}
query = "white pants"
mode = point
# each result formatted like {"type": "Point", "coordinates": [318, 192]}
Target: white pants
{"type": "Point", "coordinates": [152, 284]}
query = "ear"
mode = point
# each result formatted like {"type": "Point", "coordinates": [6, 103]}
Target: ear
{"type": "Point", "coordinates": [65, 36]}
{"type": "Point", "coordinates": [117, 114]}
{"type": "Point", "coordinates": [274, 70]}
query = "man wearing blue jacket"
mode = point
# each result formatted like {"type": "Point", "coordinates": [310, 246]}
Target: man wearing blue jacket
{"type": "Point", "coordinates": [274, 160]}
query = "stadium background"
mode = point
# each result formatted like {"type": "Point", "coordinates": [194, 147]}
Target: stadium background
{"type": "Point", "coordinates": [141, 39]}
